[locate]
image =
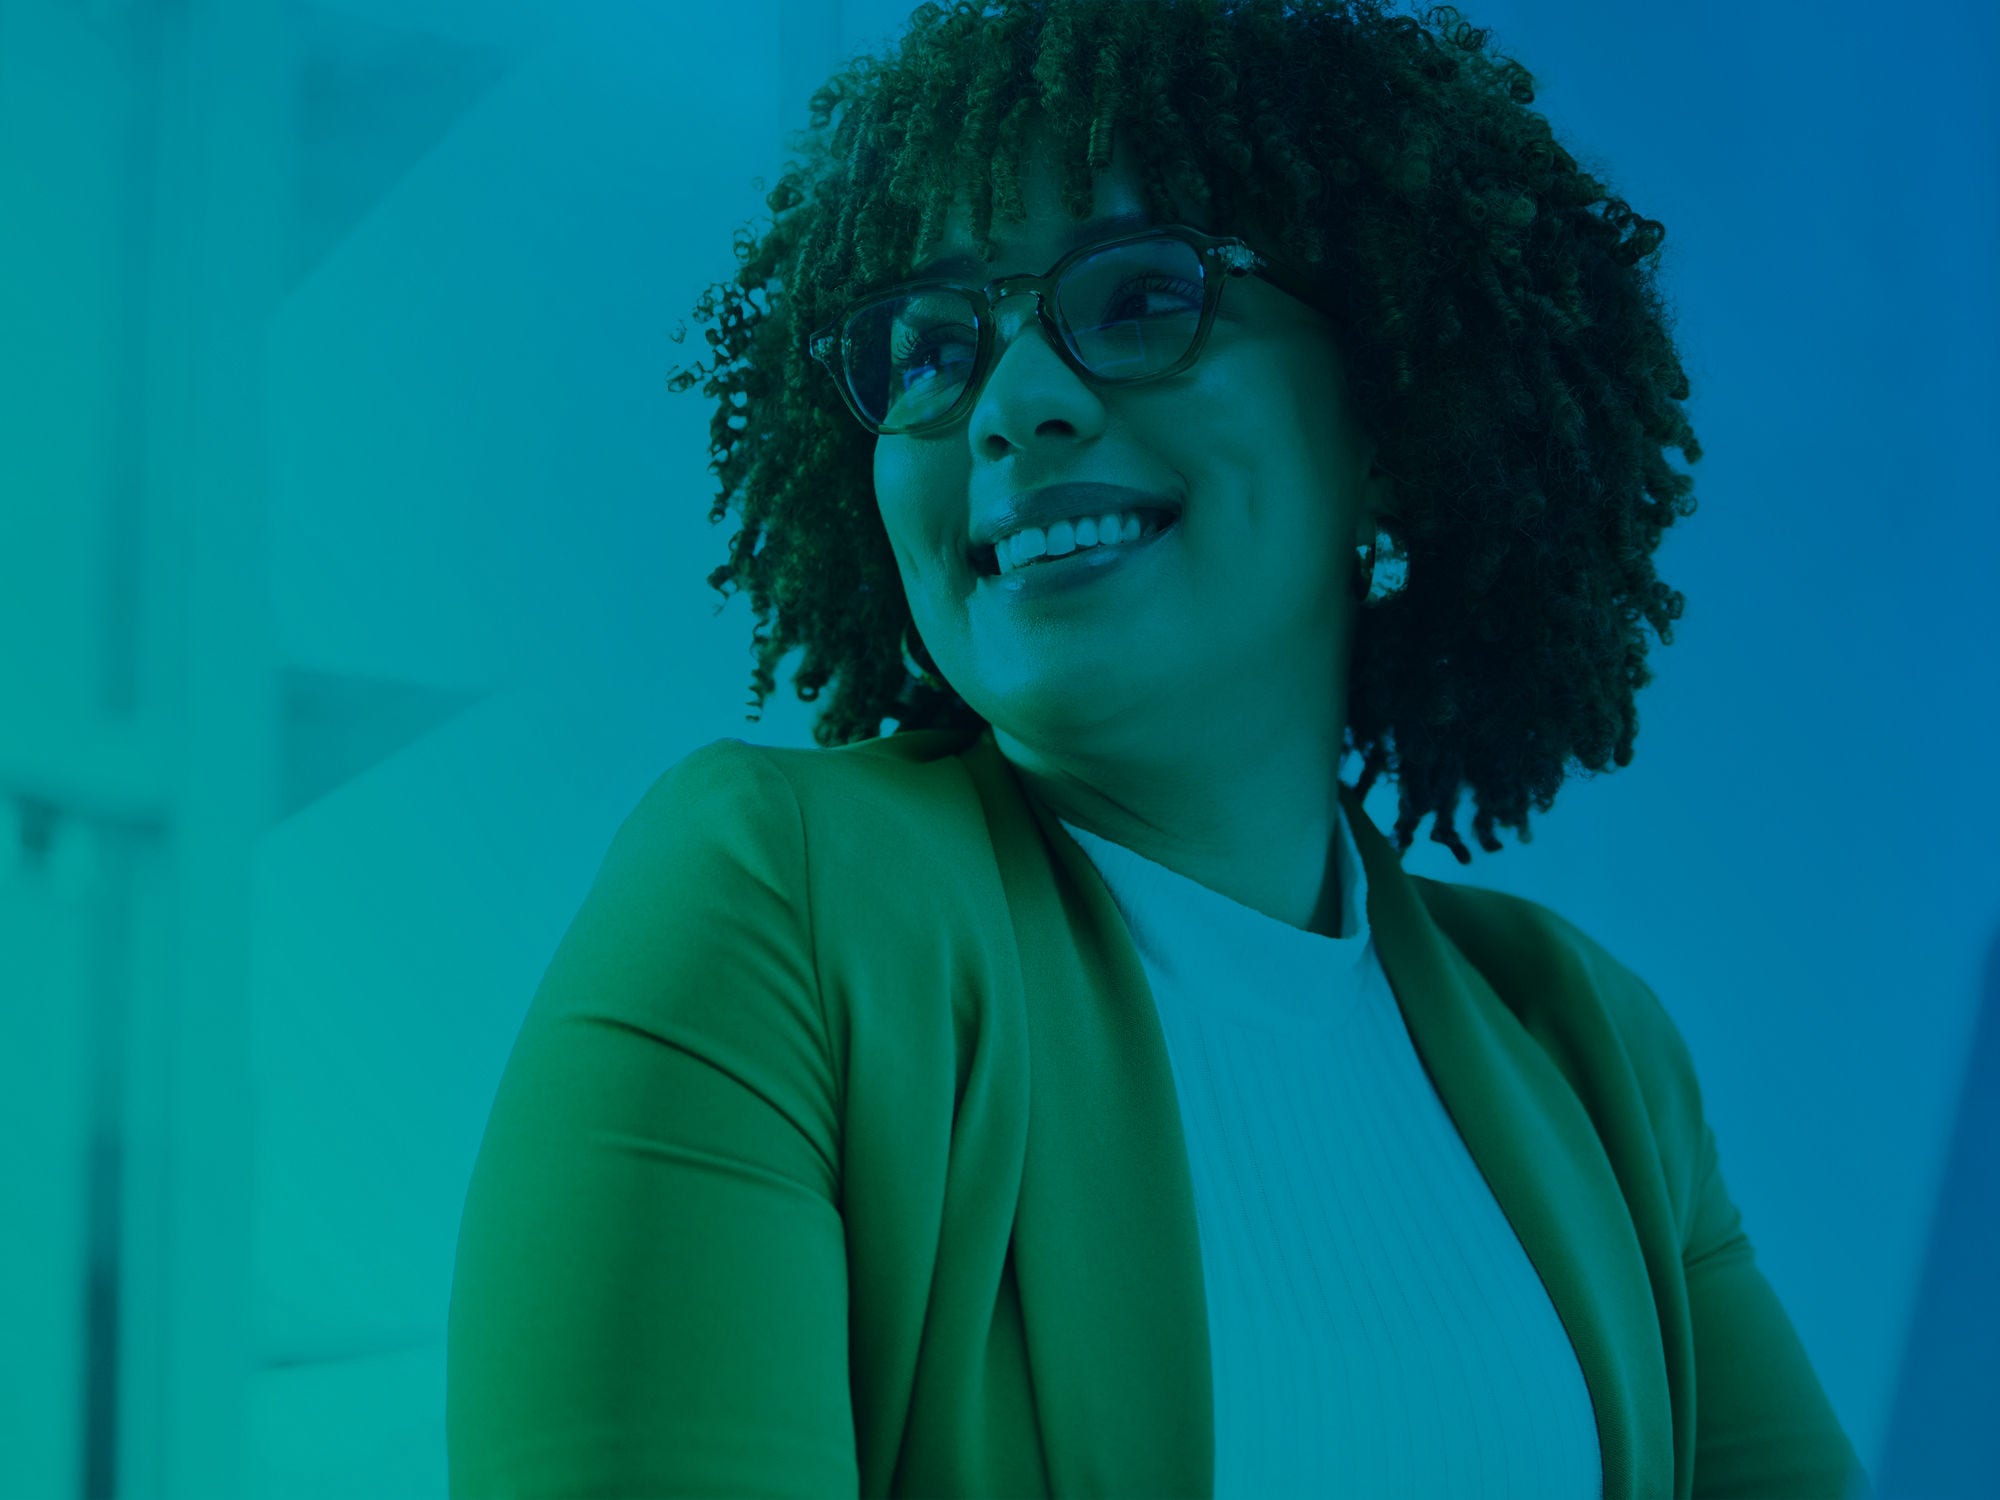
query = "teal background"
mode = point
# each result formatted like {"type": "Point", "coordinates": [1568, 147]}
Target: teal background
{"type": "Point", "coordinates": [352, 589]}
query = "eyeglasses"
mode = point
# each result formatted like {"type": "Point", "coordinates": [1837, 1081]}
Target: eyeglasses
{"type": "Point", "coordinates": [1126, 311]}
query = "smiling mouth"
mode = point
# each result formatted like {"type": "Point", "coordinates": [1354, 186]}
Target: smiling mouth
{"type": "Point", "coordinates": [985, 561]}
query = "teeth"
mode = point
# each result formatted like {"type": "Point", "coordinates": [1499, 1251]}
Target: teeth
{"type": "Point", "coordinates": [1022, 548]}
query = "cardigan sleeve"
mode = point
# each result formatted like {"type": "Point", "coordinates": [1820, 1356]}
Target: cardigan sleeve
{"type": "Point", "coordinates": [650, 1291]}
{"type": "Point", "coordinates": [1764, 1429]}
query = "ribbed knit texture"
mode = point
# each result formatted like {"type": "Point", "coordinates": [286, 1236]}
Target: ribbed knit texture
{"type": "Point", "coordinates": [1376, 1328]}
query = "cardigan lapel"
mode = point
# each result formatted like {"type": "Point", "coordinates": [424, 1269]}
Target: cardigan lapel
{"type": "Point", "coordinates": [1106, 1248]}
{"type": "Point", "coordinates": [1541, 1156]}
{"type": "Point", "coordinates": [1107, 1254]}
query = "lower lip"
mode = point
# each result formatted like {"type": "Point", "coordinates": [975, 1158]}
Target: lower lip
{"type": "Point", "coordinates": [1076, 571]}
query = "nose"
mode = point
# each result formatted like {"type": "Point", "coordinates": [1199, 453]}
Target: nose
{"type": "Point", "coordinates": [1013, 311]}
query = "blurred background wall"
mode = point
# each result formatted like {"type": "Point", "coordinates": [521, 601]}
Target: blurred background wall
{"type": "Point", "coordinates": [352, 561]}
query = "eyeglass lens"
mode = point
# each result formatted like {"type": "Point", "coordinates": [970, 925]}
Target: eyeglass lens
{"type": "Point", "coordinates": [1126, 312]}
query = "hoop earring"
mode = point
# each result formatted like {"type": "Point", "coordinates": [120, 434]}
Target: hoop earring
{"type": "Point", "coordinates": [1372, 587]}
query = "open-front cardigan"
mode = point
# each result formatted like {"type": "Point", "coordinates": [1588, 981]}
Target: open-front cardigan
{"type": "Point", "coordinates": [840, 1153]}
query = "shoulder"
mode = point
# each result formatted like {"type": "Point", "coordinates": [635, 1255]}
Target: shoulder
{"type": "Point", "coordinates": [882, 804]}
{"type": "Point", "coordinates": [867, 869]}
{"type": "Point", "coordinates": [1600, 1023]}
{"type": "Point", "coordinates": [859, 839]}
{"type": "Point", "coordinates": [882, 776]}
{"type": "Point", "coordinates": [719, 808]}
{"type": "Point", "coordinates": [1550, 965]}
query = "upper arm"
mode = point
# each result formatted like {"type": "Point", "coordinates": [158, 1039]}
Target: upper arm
{"type": "Point", "coordinates": [650, 1294]}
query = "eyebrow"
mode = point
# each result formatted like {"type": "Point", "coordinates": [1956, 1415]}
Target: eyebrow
{"type": "Point", "coordinates": [962, 263]}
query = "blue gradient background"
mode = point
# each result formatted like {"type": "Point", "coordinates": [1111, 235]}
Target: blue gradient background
{"type": "Point", "coordinates": [352, 589]}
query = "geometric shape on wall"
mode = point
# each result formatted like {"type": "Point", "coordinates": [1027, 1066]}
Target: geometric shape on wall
{"type": "Point", "coordinates": [1944, 1426]}
{"type": "Point", "coordinates": [335, 727]}
{"type": "Point", "coordinates": [374, 100]}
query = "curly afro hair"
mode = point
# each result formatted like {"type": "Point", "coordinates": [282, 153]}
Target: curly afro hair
{"type": "Point", "coordinates": [1509, 351]}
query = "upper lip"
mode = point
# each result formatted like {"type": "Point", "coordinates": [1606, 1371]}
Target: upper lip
{"type": "Point", "coordinates": [1061, 502]}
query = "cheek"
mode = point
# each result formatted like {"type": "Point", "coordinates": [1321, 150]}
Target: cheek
{"type": "Point", "coordinates": [919, 490]}
{"type": "Point", "coordinates": [895, 493]}
{"type": "Point", "coordinates": [902, 481]}
{"type": "Point", "coordinates": [883, 472]}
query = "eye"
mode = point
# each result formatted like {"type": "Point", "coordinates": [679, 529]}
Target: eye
{"type": "Point", "coordinates": [1188, 293]}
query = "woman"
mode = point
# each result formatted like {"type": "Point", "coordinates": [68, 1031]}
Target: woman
{"type": "Point", "coordinates": [1068, 1093]}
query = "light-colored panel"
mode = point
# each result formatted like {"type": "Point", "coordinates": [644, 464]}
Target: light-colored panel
{"type": "Point", "coordinates": [45, 1103]}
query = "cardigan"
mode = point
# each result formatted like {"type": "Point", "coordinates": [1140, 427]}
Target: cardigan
{"type": "Point", "coordinates": [840, 1152]}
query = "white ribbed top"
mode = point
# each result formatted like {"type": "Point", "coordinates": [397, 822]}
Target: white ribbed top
{"type": "Point", "coordinates": [1376, 1327]}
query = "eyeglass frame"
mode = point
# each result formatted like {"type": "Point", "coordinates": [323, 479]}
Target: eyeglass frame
{"type": "Point", "coordinates": [1223, 258]}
